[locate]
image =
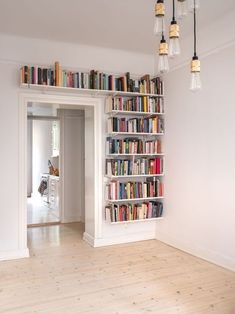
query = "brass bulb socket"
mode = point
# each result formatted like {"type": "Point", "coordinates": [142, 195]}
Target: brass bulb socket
{"type": "Point", "coordinates": [174, 31]}
{"type": "Point", "coordinates": [195, 66]}
{"type": "Point", "coordinates": [159, 9]}
{"type": "Point", "coordinates": [163, 49]}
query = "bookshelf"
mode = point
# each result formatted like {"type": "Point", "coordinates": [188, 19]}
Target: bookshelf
{"type": "Point", "coordinates": [134, 162]}
{"type": "Point", "coordinates": [135, 120]}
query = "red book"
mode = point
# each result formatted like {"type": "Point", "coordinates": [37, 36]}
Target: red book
{"type": "Point", "coordinates": [158, 165]}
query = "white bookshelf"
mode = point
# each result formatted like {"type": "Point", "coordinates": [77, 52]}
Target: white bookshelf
{"type": "Point", "coordinates": [95, 92]}
{"type": "Point", "coordinates": [126, 200]}
{"type": "Point", "coordinates": [110, 134]}
{"type": "Point", "coordinates": [135, 220]}
{"type": "Point", "coordinates": [134, 176]}
{"type": "Point", "coordinates": [114, 205]}
{"type": "Point", "coordinates": [134, 113]}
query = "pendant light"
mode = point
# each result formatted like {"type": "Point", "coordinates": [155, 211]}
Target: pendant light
{"type": "Point", "coordinates": [163, 64]}
{"type": "Point", "coordinates": [159, 25]}
{"type": "Point", "coordinates": [182, 8]}
{"type": "Point", "coordinates": [193, 4]}
{"type": "Point", "coordinates": [195, 63]}
{"type": "Point", "coordinates": [174, 45]}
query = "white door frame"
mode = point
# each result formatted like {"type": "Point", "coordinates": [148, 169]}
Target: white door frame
{"type": "Point", "coordinates": [65, 99]}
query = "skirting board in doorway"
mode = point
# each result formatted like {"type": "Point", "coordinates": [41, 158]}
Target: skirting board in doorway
{"type": "Point", "coordinates": [203, 253]}
{"type": "Point", "coordinates": [10, 255]}
{"type": "Point", "coordinates": [118, 240]}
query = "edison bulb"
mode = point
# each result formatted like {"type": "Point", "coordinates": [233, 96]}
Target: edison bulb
{"type": "Point", "coordinates": [163, 64]}
{"type": "Point", "coordinates": [196, 83]}
{"type": "Point", "coordinates": [174, 47]}
{"type": "Point", "coordinates": [182, 8]}
{"type": "Point", "coordinates": [159, 25]}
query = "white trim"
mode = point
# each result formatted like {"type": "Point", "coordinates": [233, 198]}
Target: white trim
{"type": "Point", "coordinates": [65, 99]}
{"type": "Point", "coordinates": [10, 255]}
{"type": "Point", "coordinates": [123, 239]}
{"type": "Point", "coordinates": [203, 253]}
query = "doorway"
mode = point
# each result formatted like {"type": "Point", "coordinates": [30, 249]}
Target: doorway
{"type": "Point", "coordinates": [43, 153]}
{"type": "Point", "coordinates": [92, 108]}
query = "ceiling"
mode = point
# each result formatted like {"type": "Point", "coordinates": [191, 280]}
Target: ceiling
{"type": "Point", "coordinates": [120, 24]}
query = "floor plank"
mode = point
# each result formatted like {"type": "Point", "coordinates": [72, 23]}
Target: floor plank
{"type": "Point", "coordinates": [66, 275]}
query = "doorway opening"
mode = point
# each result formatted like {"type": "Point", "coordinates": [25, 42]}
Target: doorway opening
{"type": "Point", "coordinates": [43, 175]}
{"type": "Point", "coordinates": [79, 172]}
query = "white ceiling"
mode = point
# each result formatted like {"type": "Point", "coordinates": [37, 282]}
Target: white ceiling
{"type": "Point", "coordinates": [121, 24]}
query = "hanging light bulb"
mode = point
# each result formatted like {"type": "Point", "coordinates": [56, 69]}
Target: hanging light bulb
{"type": "Point", "coordinates": [195, 64]}
{"type": "Point", "coordinates": [195, 74]}
{"type": "Point", "coordinates": [163, 64]}
{"type": "Point", "coordinates": [174, 45]}
{"type": "Point", "coordinates": [182, 8]}
{"type": "Point", "coordinates": [159, 25]}
{"type": "Point", "coordinates": [193, 4]}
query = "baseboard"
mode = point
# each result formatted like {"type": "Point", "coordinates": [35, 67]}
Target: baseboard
{"type": "Point", "coordinates": [118, 240]}
{"type": "Point", "coordinates": [10, 255]}
{"type": "Point", "coordinates": [208, 255]}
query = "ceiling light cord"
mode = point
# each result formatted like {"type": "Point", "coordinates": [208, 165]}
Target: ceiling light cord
{"type": "Point", "coordinates": [173, 18]}
{"type": "Point", "coordinates": [195, 28]}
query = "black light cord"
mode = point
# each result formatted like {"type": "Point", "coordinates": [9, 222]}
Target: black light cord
{"type": "Point", "coordinates": [195, 27]}
{"type": "Point", "coordinates": [173, 18]}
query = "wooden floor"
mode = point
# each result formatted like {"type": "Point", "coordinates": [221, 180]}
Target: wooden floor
{"type": "Point", "coordinates": [39, 212]}
{"type": "Point", "coordinates": [66, 275]}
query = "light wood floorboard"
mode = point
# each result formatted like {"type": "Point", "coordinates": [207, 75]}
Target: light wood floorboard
{"type": "Point", "coordinates": [66, 275]}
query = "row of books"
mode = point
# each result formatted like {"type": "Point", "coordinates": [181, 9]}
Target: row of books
{"type": "Point", "coordinates": [117, 190]}
{"type": "Point", "coordinates": [132, 146]}
{"type": "Point", "coordinates": [130, 212]}
{"type": "Point", "coordinates": [139, 104]}
{"type": "Point", "coordinates": [136, 125]}
{"type": "Point", "coordinates": [140, 166]}
{"type": "Point", "coordinates": [55, 76]}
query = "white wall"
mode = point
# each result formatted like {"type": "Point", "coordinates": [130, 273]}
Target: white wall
{"type": "Point", "coordinates": [200, 161]}
{"type": "Point", "coordinates": [72, 136]}
{"type": "Point", "coordinates": [29, 158]}
{"type": "Point", "coordinates": [14, 53]}
{"type": "Point", "coordinates": [42, 150]}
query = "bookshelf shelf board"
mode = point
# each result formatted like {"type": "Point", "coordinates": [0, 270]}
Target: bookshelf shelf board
{"type": "Point", "coordinates": [134, 134]}
{"type": "Point", "coordinates": [134, 113]}
{"type": "Point", "coordinates": [136, 220]}
{"type": "Point", "coordinates": [151, 155]}
{"type": "Point", "coordinates": [95, 92]}
{"type": "Point", "coordinates": [135, 176]}
{"type": "Point", "coordinates": [135, 199]}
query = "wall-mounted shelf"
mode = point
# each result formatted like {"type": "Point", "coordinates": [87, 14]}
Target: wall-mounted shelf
{"type": "Point", "coordinates": [133, 155]}
{"type": "Point", "coordinates": [135, 176]}
{"type": "Point", "coordinates": [134, 134]}
{"type": "Point", "coordinates": [93, 92]}
{"type": "Point", "coordinates": [136, 199]}
{"type": "Point", "coordinates": [134, 113]}
{"type": "Point", "coordinates": [136, 220]}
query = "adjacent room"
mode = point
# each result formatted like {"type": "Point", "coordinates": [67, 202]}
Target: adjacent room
{"type": "Point", "coordinates": [117, 157]}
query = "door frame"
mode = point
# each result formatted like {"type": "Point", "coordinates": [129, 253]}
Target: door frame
{"type": "Point", "coordinates": [65, 100]}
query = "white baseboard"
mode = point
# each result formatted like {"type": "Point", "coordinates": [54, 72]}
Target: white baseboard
{"type": "Point", "coordinates": [118, 240]}
{"type": "Point", "coordinates": [10, 255]}
{"type": "Point", "coordinates": [193, 249]}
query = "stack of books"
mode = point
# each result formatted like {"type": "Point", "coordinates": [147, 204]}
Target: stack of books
{"type": "Point", "coordinates": [143, 104]}
{"type": "Point", "coordinates": [136, 125]}
{"type": "Point", "coordinates": [56, 76]}
{"type": "Point", "coordinates": [140, 166]}
{"type": "Point", "coordinates": [130, 212]}
{"type": "Point", "coordinates": [132, 146]}
{"type": "Point", "coordinates": [151, 188]}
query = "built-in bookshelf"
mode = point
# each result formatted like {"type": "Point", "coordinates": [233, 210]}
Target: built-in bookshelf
{"type": "Point", "coordinates": [134, 163]}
